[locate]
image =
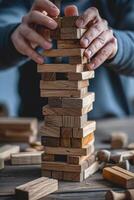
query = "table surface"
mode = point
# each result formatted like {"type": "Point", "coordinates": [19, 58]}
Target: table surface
{"type": "Point", "coordinates": [93, 188]}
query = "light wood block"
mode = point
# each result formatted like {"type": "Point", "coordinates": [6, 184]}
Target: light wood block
{"type": "Point", "coordinates": [81, 142]}
{"type": "Point", "coordinates": [78, 60]}
{"type": "Point", "coordinates": [47, 110]}
{"type": "Point", "coordinates": [60, 68]}
{"type": "Point", "coordinates": [73, 176]}
{"type": "Point", "coordinates": [74, 122]}
{"type": "Point", "coordinates": [91, 169]}
{"type": "Point", "coordinates": [50, 131]}
{"type": "Point", "coordinates": [80, 76]}
{"type": "Point", "coordinates": [55, 121]}
{"type": "Point", "coordinates": [50, 141]}
{"type": "Point", "coordinates": [63, 85]}
{"type": "Point", "coordinates": [88, 99]}
{"type": "Point", "coordinates": [64, 93]}
{"type": "Point", "coordinates": [78, 160]}
{"type": "Point", "coordinates": [119, 176]}
{"type": "Point", "coordinates": [71, 33]}
{"type": "Point", "coordinates": [63, 53]}
{"type": "Point", "coordinates": [89, 127]}
{"type": "Point", "coordinates": [68, 21]}
{"type": "Point", "coordinates": [66, 132]}
{"type": "Point", "coordinates": [36, 189]}
{"type": "Point", "coordinates": [68, 44]}
{"type": "Point", "coordinates": [7, 150]}
{"type": "Point", "coordinates": [48, 76]}
{"type": "Point", "coordinates": [71, 151]}
{"type": "Point", "coordinates": [26, 158]}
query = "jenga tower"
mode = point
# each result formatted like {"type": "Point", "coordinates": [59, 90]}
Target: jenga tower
{"type": "Point", "coordinates": [67, 135]}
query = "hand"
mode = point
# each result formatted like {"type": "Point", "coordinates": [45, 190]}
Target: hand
{"type": "Point", "coordinates": [25, 38]}
{"type": "Point", "coordinates": [99, 41]}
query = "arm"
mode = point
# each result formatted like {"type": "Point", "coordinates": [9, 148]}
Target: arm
{"type": "Point", "coordinates": [10, 17]}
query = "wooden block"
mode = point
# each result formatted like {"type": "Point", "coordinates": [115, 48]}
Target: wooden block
{"type": "Point", "coordinates": [18, 124]}
{"type": "Point", "coordinates": [55, 121]}
{"type": "Point", "coordinates": [74, 122]}
{"type": "Point", "coordinates": [63, 85]}
{"type": "Point", "coordinates": [26, 158]}
{"type": "Point", "coordinates": [64, 93]}
{"type": "Point", "coordinates": [1, 163]}
{"type": "Point", "coordinates": [89, 127]}
{"type": "Point", "coordinates": [73, 176]}
{"type": "Point", "coordinates": [119, 140]}
{"type": "Point", "coordinates": [119, 176]}
{"type": "Point", "coordinates": [47, 110]}
{"type": "Point", "coordinates": [68, 21]}
{"type": "Point", "coordinates": [36, 189]}
{"type": "Point", "coordinates": [91, 169]}
{"type": "Point", "coordinates": [80, 76]}
{"type": "Point", "coordinates": [63, 52]}
{"type": "Point", "coordinates": [50, 131]}
{"type": "Point", "coordinates": [78, 60]}
{"type": "Point", "coordinates": [59, 68]}
{"type": "Point", "coordinates": [71, 151]}
{"type": "Point", "coordinates": [50, 141]}
{"type": "Point", "coordinates": [81, 142]}
{"type": "Point", "coordinates": [55, 102]}
{"type": "Point", "coordinates": [7, 150]}
{"type": "Point", "coordinates": [68, 44]}
{"type": "Point", "coordinates": [46, 173]}
{"type": "Point", "coordinates": [57, 175]}
{"type": "Point", "coordinates": [71, 33]}
{"type": "Point", "coordinates": [66, 132]}
{"type": "Point", "coordinates": [78, 160]}
{"type": "Point", "coordinates": [78, 102]}
{"type": "Point", "coordinates": [48, 157]}
{"type": "Point", "coordinates": [48, 76]}
{"type": "Point", "coordinates": [66, 142]}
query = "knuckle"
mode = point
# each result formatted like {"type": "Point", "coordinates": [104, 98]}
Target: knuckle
{"type": "Point", "coordinates": [104, 52]}
{"type": "Point", "coordinates": [98, 27]}
{"type": "Point", "coordinates": [101, 40]}
{"type": "Point", "coordinates": [104, 21]}
{"type": "Point", "coordinates": [24, 19]}
{"type": "Point", "coordinates": [94, 9]}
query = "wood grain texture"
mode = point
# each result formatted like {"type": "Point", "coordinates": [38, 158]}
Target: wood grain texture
{"type": "Point", "coordinates": [74, 121]}
{"type": "Point", "coordinates": [81, 142]}
{"type": "Point", "coordinates": [80, 76]}
{"type": "Point", "coordinates": [36, 189]}
{"type": "Point", "coordinates": [48, 76]}
{"type": "Point", "coordinates": [60, 68]}
{"type": "Point", "coordinates": [51, 131]}
{"type": "Point", "coordinates": [68, 44]}
{"type": "Point", "coordinates": [78, 60]}
{"type": "Point", "coordinates": [68, 21]}
{"type": "Point", "coordinates": [56, 121]}
{"type": "Point", "coordinates": [71, 33]}
{"type": "Point", "coordinates": [50, 141]}
{"type": "Point", "coordinates": [7, 150]}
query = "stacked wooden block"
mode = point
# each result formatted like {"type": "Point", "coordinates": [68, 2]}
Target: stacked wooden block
{"type": "Point", "coordinates": [67, 135]}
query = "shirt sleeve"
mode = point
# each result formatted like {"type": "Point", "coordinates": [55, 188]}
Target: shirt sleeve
{"type": "Point", "coordinates": [10, 17]}
{"type": "Point", "coordinates": [123, 62]}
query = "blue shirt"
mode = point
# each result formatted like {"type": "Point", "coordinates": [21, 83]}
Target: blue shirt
{"type": "Point", "coordinates": [113, 84]}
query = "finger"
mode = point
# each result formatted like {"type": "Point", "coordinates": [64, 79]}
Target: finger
{"type": "Point", "coordinates": [46, 5]}
{"type": "Point", "coordinates": [102, 56]}
{"type": "Point", "coordinates": [24, 48]}
{"type": "Point", "coordinates": [36, 17]}
{"type": "Point", "coordinates": [71, 10]}
{"type": "Point", "coordinates": [98, 43]}
{"type": "Point", "coordinates": [88, 16]}
{"type": "Point", "coordinates": [30, 35]}
{"type": "Point", "coordinates": [93, 32]}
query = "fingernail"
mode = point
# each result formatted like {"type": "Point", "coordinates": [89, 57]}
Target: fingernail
{"type": "Point", "coordinates": [85, 42]}
{"type": "Point", "coordinates": [89, 53]}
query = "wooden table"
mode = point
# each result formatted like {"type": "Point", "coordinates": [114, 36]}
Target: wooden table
{"type": "Point", "coordinates": [94, 188]}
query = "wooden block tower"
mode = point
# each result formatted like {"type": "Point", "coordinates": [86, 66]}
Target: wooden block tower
{"type": "Point", "coordinates": [67, 135]}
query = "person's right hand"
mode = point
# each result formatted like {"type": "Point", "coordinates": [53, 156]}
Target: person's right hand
{"type": "Point", "coordinates": [26, 34]}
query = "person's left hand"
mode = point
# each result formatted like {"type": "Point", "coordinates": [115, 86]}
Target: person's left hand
{"type": "Point", "coordinates": [99, 40]}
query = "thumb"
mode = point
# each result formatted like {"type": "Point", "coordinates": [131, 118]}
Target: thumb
{"type": "Point", "coordinates": [71, 10]}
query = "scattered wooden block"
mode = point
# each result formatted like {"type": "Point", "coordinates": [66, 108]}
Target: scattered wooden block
{"type": "Point", "coordinates": [26, 158]}
{"type": "Point", "coordinates": [74, 121]}
{"type": "Point", "coordinates": [2, 163]}
{"type": "Point", "coordinates": [7, 150]}
{"type": "Point", "coordinates": [71, 33]}
{"type": "Point", "coordinates": [36, 189]}
{"type": "Point", "coordinates": [81, 142]}
{"type": "Point", "coordinates": [78, 60]}
{"type": "Point", "coordinates": [71, 151]}
{"type": "Point", "coordinates": [63, 85]}
{"type": "Point", "coordinates": [68, 21]}
{"type": "Point", "coordinates": [55, 121]}
{"type": "Point", "coordinates": [50, 131]}
{"type": "Point", "coordinates": [64, 53]}
{"type": "Point", "coordinates": [78, 102]}
{"type": "Point", "coordinates": [119, 176]}
{"type": "Point", "coordinates": [91, 169]}
{"type": "Point", "coordinates": [64, 93]}
{"type": "Point", "coordinates": [119, 140]}
{"type": "Point", "coordinates": [72, 76]}
{"type": "Point", "coordinates": [47, 110]}
{"type": "Point", "coordinates": [89, 127]}
{"type": "Point", "coordinates": [50, 141]}
{"type": "Point", "coordinates": [60, 68]}
{"type": "Point", "coordinates": [68, 44]}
